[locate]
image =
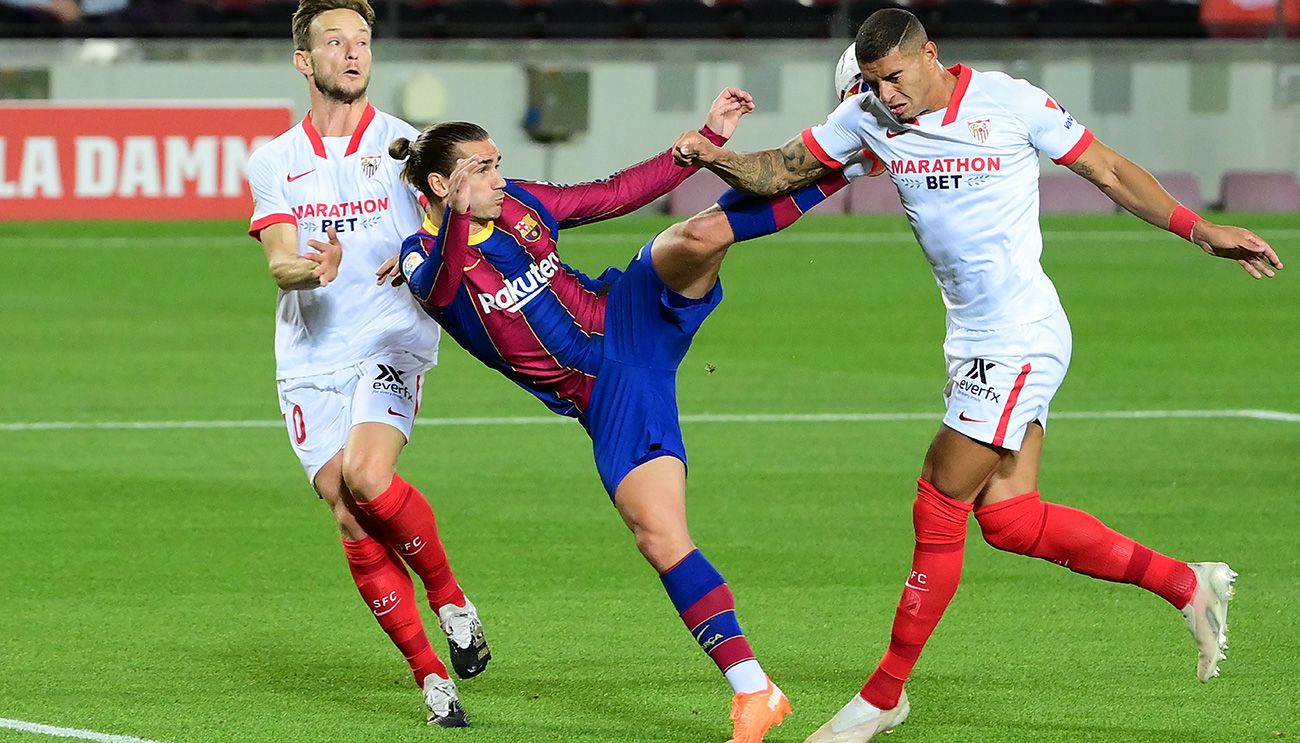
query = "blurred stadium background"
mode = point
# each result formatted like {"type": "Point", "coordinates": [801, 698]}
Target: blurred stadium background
{"type": "Point", "coordinates": [165, 571]}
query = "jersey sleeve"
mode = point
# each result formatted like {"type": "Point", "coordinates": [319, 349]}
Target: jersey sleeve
{"type": "Point", "coordinates": [1052, 129]}
{"type": "Point", "coordinates": [269, 203]}
{"type": "Point", "coordinates": [838, 140]}
{"type": "Point", "coordinates": [434, 266]}
{"type": "Point", "coordinates": [621, 193]}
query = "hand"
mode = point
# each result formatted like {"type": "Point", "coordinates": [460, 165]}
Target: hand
{"type": "Point", "coordinates": [458, 190]}
{"type": "Point", "coordinates": [389, 270]}
{"type": "Point", "coordinates": [727, 108]}
{"type": "Point", "coordinates": [327, 257]}
{"type": "Point", "coordinates": [692, 148]}
{"type": "Point", "coordinates": [1237, 244]}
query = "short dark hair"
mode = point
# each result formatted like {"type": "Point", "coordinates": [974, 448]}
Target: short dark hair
{"type": "Point", "coordinates": [434, 151]}
{"type": "Point", "coordinates": [309, 9]}
{"type": "Point", "coordinates": [886, 30]}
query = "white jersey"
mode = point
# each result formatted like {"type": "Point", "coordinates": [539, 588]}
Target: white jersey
{"type": "Point", "coordinates": [350, 184]}
{"type": "Point", "coordinates": [967, 176]}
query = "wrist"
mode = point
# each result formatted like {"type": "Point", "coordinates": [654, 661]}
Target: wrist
{"type": "Point", "coordinates": [712, 136]}
{"type": "Point", "coordinates": [1183, 222]}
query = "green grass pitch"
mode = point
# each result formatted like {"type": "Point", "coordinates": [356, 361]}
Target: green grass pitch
{"type": "Point", "coordinates": [186, 585]}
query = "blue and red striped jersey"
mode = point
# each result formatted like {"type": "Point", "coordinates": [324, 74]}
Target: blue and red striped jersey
{"type": "Point", "coordinates": [506, 296]}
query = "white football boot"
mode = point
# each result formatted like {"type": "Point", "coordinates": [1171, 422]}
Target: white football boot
{"type": "Point", "coordinates": [465, 640]}
{"type": "Point", "coordinates": [858, 722]}
{"type": "Point", "coordinates": [1207, 615]}
{"type": "Point", "coordinates": [443, 703]}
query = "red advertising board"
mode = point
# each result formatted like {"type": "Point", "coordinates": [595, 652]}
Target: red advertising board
{"type": "Point", "coordinates": [136, 161]}
{"type": "Point", "coordinates": [1250, 17]}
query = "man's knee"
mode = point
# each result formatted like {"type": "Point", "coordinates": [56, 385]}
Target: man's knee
{"type": "Point", "coordinates": [705, 236]}
{"type": "Point", "coordinates": [1014, 525]}
{"type": "Point", "coordinates": [347, 521]}
{"type": "Point", "coordinates": [366, 476]}
{"type": "Point", "coordinates": [662, 549]}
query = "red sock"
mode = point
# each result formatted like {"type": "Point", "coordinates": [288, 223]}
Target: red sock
{"type": "Point", "coordinates": [404, 520]}
{"type": "Point", "coordinates": [940, 524]}
{"type": "Point", "coordinates": [389, 594]}
{"type": "Point", "coordinates": [1077, 540]}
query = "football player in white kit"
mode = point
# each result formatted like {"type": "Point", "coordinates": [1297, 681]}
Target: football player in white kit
{"type": "Point", "coordinates": [351, 355]}
{"type": "Point", "coordinates": [962, 147]}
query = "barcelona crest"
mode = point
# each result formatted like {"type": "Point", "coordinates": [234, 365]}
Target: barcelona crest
{"type": "Point", "coordinates": [370, 165]}
{"type": "Point", "coordinates": [979, 128]}
{"type": "Point", "coordinates": [528, 228]}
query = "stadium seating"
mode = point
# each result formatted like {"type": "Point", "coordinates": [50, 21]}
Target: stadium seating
{"type": "Point", "coordinates": [776, 19]}
{"type": "Point", "coordinates": [1067, 193]}
{"type": "Point", "coordinates": [837, 203]}
{"type": "Point", "coordinates": [1184, 187]}
{"type": "Point", "coordinates": [591, 19]}
{"type": "Point", "coordinates": [1079, 19]}
{"type": "Point", "coordinates": [873, 196]}
{"type": "Point", "coordinates": [1261, 191]}
{"type": "Point", "coordinates": [642, 18]}
{"type": "Point", "coordinates": [696, 194]}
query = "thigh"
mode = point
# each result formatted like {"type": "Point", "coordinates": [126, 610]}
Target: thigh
{"type": "Point", "coordinates": [387, 393]}
{"type": "Point", "coordinates": [1000, 382]}
{"type": "Point", "coordinates": [649, 324]}
{"type": "Point", "coordinates": [959, 466]}
{"type": "Point", "coordinates": [632, 418]}
{"type": "Point", "coordinates": [316, 413]}
{"type": "Point", "coordinates": [688, 255]}
{"type": "Point", "coordinates": [1017, 472]}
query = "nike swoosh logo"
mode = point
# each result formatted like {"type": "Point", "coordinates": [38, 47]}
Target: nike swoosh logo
{"type": "Point", "coordinates": [960, 416]}
{"type": "Point", "coordinates": [394, 412]}
{"type": "Point", "coordinates": [891, 134]}
{"type": "Point", "coordinates": [293, 178]}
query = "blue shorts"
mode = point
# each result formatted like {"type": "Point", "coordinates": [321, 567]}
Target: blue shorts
{"type": "Point", "coordinates": [632, 413]}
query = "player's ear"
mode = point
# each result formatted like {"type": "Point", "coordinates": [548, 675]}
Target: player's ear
{"type": "Point", "coordinates": [438, 183]}
{"type": "Point", "coordinates": [930, 50]}
{"type": "Point", "coordinates": [302, 61]}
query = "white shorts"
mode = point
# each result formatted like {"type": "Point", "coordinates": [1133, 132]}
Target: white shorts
{"type": "Point", "coordinates": [320, 410]}
{"type": "Point", "coordinates": [1000, 381]}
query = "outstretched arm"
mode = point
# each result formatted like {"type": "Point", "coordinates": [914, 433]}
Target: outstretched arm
{"type": "Point", "coordinates": [634, 187]}
{"type": "Point", "coordinates": [765, 173]}
{"type": "Point", "coordinates": [1132, 187]}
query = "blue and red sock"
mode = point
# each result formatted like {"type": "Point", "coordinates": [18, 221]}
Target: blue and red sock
{"type": "Point", "coordinates": [753, 216]}
{"type": "Point", "coordinates": [708, 609]}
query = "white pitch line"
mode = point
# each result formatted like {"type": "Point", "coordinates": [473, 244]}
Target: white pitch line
{"type": "Point", "coordinates": [1270, 415]}
{"type": "Point", "coordinates": [39, 729]}
{"type": "Point", "coordinates": [865, 237]}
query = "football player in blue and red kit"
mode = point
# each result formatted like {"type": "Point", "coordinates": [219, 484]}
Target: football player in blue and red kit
{"type": "Point", "coordinates": [604, 350]}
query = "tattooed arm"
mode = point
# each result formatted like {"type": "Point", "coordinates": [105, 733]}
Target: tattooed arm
{"type": "Point", "coordinates": [1132, 187]}
{"type": "Point", "coordinates": [765, 173]}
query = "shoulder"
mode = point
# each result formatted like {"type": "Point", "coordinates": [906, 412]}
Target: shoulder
{"type": "Point", "coordinates": [1010, 93]}
{"type": "Point", "coordinates": [277, 149]}
{"type": "Point", "coordinates": [395, 126]}
{"type": "Point", "coordinates": [266, 162]}
{"type": "Point", "coordinates": [854, 108]}
{"type": "Point", "coordinates": [518, 190]}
